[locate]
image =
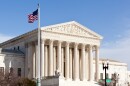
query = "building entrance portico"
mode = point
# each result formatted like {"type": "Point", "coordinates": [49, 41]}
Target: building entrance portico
{"type": "Point", "coordinates": [73, 60]}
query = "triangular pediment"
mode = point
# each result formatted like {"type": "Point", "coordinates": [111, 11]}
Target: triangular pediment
{"type": "Point", "coordinates": [72, 28]}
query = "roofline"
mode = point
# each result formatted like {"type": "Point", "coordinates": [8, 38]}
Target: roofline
{"type": "Point", "coordinates": [101, 37]}
{"type": "Point", "coordinates": [18, 37]}
{"type": "Point", "coordinates": [110, 60]}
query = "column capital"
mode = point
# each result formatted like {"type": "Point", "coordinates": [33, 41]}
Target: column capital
{"type": "Point", "coordinates": [83, 46]}
{"type": "Point", "coordinates": [97, 46]}
{"type": "Point", "coordinates": [59, 42]}
{"type": "Point", "coordinates": [75, 44]}
{"type": "Point", "coordinates": [50, 41]}
{"type": "Point", "coordinates": [90, 46]}
{"type": "Point", "coordinates": [67, 43]}
{"type": "Point", "coordinates": [30, 44]}
{"type": "Point", "coordinates": [42, 41]}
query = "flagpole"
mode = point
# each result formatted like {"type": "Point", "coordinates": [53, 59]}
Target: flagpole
{"type": "Point", "coordinates": [39, 50]}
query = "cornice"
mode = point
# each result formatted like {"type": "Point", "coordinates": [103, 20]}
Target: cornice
{"type": "Point", "coordinates": [20, 38]}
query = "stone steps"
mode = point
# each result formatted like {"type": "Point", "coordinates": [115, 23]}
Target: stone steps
{"type": "Point", "coordinates": [56, 81]}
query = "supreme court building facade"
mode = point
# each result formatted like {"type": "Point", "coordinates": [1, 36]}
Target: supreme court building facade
{"type": "Point", "coordinates": [68, 48]}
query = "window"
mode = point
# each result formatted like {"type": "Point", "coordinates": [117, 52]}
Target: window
{"type": "Point", "coordinates": [101, 75]}
{"type": "Point", "coordinates": [18, 47]}
{"type": "Point", "coordinates": [19, 72]}
{"type": "Point", "coordinates": [2, 70]}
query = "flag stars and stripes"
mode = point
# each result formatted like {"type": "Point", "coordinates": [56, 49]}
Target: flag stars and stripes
{"type": "Point", "coordinates": [32, 17]}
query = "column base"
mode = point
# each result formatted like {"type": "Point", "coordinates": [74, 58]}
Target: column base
{"type": "Point", "coordinates": [77, 79]}
{"type": "Point", "coordinates": [61, 77]}
{"type": "Point", "coordinates": [42, 77]}
{"type": "Point", "coordinates": [91, 80]}
{"type": "Point", "coordinates": [68, 79]}
{"type": "Point", "coordinates": [85, 80]}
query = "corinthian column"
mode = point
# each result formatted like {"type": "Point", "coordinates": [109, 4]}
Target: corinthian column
{"type": "Point", "coordinates": [76, 62]}
{"type": "Point", "coordinates": [51, 58]}
{"type": "Point", "coordinates": [34, 62]}
{"type": "Point", "coordinates": [62, 62]}
{"type": "Point", "coordinates": [70, 64]}
{"type": "Point", "coordinates": [26, 60]}
{"type": "Point", "coordinates": [67, 60]}
{"type": "Point", "coordinates": [59, 56]}
{"type": "Point", "coordinates": [30, 61]}
{"type": "Point", "coordinates": [31, 50]}
{"type": "Point", "coordinates": [46, 61]}
{"type": "Point", "coordinates": [54, 60]}
{"type": "Point", "coordinates": [36, 51]}
{"type": "Point", "coordinates": [87, 64]}
{"type": "Point", "coordinates": [91, 73]}
{"type": "Point", "coordinates": [42, 58]}
{"type": "Point", "coordinates": [83, 62]}
{"type": "Point", "coordinates": [97, 62]}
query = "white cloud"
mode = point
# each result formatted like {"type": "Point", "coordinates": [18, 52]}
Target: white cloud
{"type": "Point", "coordinates": [4, 37]}
{"type": "Point", "coordinates": [118, 50]}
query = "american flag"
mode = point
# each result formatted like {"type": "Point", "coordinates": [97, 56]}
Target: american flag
{"type": "Point", "coordinates": [32, 17]}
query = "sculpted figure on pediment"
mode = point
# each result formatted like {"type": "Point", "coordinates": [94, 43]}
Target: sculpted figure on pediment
{"type": "Point", "coordinates": [72, 29]}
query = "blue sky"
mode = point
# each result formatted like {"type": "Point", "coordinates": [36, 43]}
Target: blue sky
{"type": "Point", "coordinates": [109, 18]}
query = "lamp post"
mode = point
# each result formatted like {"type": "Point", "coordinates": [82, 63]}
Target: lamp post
{"type": "Point", "coordinates": [105, 67]}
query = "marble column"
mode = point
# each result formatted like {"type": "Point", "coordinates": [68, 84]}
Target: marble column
{"type": "Point", "coordinates": [30, 59]}
{"type": "Point", "coordinates": [87, 64]}
{"type": "Point", "coordinates": [26, 60]}
{"type": "Point", "coordinates": [76, 62]}
{"type": "Point", "coordinates": [54, 60]}
{"type": "Point", "coordinates": [67, 60]}
{"type": "Point", "coordinates": [59, 57]}
{"type": "Point", "coordinates": [50, 57]}
{"type": "Point", "coordinates": [36, 56]}
{"type": "Point", "coordinates": [70, 63]}
{"type": "Point", "coordinates": [42, 58]}
{"type": "Point", "coordinates": [29, 62]}
{"type": "Point", "coordinates": [62, 61]}
{"type": "Point", "coordinates": [73, 65]}
{"type": "Point", "coordinates": [91, 73]}
{"type": "Point", "coordinates": [34, 62]}
{"type": "Point", "coordinates": [83, 62]}
{"type": "Point", "coordinates": [97, 63]}
{"type": "Point", "coordinates": [80, 67]}
{"type": "Point", "coordinates": [46, 61]}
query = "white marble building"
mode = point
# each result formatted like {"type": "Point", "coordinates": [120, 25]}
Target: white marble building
{"type": "Point", "coordinates": [12, 59]}
{"type": "Point", "coordinates": [117, 67]}
{"type": "Point", "coordinates": [128, 77]}
{"type": "Point", "coordinates": [69, 47]}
